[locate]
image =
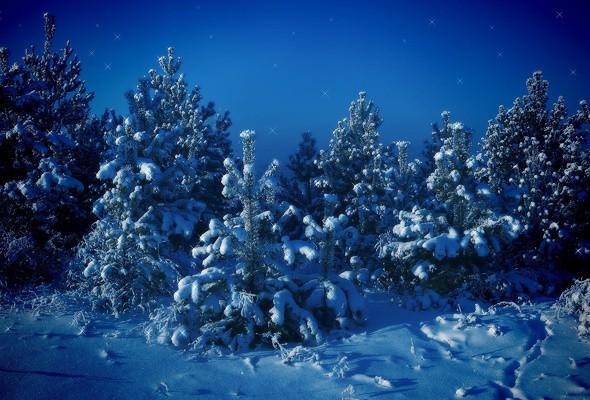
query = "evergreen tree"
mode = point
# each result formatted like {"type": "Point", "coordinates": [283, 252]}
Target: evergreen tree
{"type": "Point", "coordinates": [44, 110]}
{"type": "Point", "coordinates": [536, 159]}
{"type": "Point", "coordinates": [352, 165]}
{"type": "Point", "coordinates": [158, 190]}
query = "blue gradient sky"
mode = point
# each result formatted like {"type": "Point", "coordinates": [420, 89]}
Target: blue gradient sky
{"type": "Point", "coordinates": [281, 67]}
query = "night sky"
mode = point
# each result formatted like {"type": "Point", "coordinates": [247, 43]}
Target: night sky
{"type": "Point", "coordinates": [282, 67]}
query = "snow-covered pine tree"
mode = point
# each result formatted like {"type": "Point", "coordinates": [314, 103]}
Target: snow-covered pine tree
{"type": "Point", "coordinates": [452, 181]}
{"type": "Point", "coordinates": [441, 246]}
{"type": "Point", "coordinates": [158, 190]}
{"type": "Point", "coordinates": [44, 110]}
{"type": "Point", "coordinates": [357, 170]}
{"type": "Point", "coordinates": [298, 187]}
{"type": "Point", "coordinates": [405, 183]}
{"type": "Point", "coordinates": [537, 160]}
{"type": "Point", "coordinates": [255, 286]}
{"type": "Point", "coordinates": [351, 168]}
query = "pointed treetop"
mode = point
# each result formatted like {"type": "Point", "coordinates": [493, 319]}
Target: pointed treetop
{"type": "Point", "coordinates": [49, 24]}
{"type": "Point", "coordinates": [169, 64]}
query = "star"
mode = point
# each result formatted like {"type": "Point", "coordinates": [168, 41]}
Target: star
{"type": "Point", "coordinates": [272, 131]}
{"type": "Point", "coordinates": [107, 67]}
{"type": "Point", "coordinates": [459, 81]}
{"type": "Point", "coordinates": [117, 36]}
{"type": "Point", "coordinates": [559, 14]}
{"type": "Point", "coordinates": [573, 72]}
{"type": "Point", "coordinates": [500, 54]}
{"type": "Point", "coordinates": [325, 93]}
{"type": "Point", "coordinates": [91, 52]}
{"type": "Point", "coordinates": [432, 22]}
{"type": "Point", "coordinates": [492, 27]}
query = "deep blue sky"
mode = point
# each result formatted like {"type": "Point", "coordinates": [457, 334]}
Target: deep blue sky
{"type": "Point", "coordinates": [281, 67]}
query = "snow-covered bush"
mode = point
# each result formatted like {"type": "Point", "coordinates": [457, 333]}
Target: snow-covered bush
{"type": "Point", "coordinates": [159, 169]}
{"type": "Point", "coordinates": [576, 301]}
{"type": "Point", "coordinates": [536, 159]}
{"type": "Point", "coordinates": [250, 288]}
{"type": "Point", "coordinates": [44, 110]}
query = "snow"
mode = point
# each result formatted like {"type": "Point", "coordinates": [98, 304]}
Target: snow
{"type": "Point", "coordinates": [148, 169]}
{"type": "Point", "coordinates": [399, 354]}
{"type": "Point", "coordinates": [443, 246]}
{"type": "Point", "coordinates": [421, 270]}
{"type": "Point", "coordinates": [108, 170]}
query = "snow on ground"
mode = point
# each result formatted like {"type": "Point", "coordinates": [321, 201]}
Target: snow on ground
{"type": "Point", "coordinates": [505, 351]}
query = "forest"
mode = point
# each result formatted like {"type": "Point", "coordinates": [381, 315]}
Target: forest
{"type": "Point", "coordinates": [152, 214]}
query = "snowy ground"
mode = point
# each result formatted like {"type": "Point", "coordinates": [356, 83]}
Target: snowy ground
{"type": "Point", "coordinates": [502, 352]}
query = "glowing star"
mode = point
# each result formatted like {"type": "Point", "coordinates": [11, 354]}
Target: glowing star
{"type": "Point", "coordinates": [117, 36]}
{"type": "Point", "coordinates": [325, 93]}
{"type": "Point", "coordinates": [107, 67]}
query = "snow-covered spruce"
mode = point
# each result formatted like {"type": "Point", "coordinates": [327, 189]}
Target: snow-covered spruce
{"type": "Point", "coordinates": [458, 235]}
{"type": "Point", "coordinates": [44, 111]}
{"type": "Point", "coordinates": [576, 301]}
{"type": "Point", "coordinates": [158, 169]}
{"type": "Point", "coordinates": [255, 286]}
